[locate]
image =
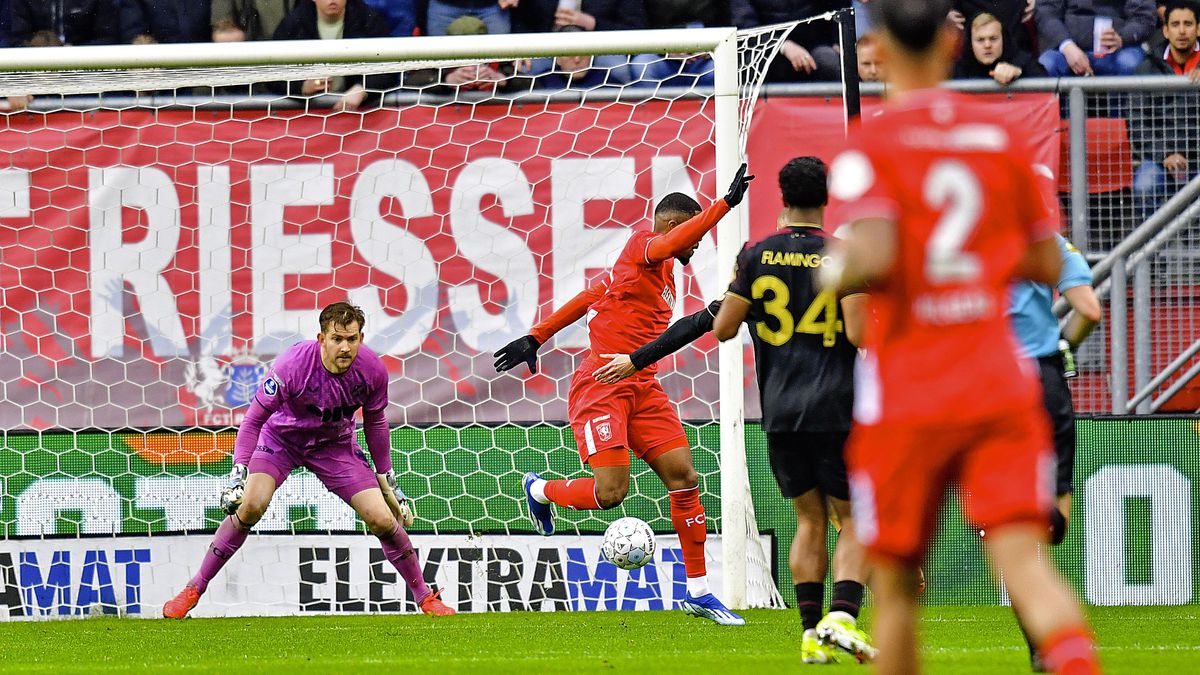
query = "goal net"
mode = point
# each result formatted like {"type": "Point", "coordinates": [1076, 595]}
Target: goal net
{"type": "Point", "coordinates": [174, 216]}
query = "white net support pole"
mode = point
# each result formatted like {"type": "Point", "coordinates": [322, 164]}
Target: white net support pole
{"type": "Point", "coordinates": [734, 477]}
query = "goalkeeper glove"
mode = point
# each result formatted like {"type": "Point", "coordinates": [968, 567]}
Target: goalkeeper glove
{"type": "Point", "coordinates": [406, 514]}
{"type": "Point", "coordinates": [234, 490]}
{"type": "Point", "coordinates": [737, 189]}
{"type": "Point", "coordinates": [521, 350]}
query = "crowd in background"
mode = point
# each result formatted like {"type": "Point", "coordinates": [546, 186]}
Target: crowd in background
{"type": "Point", "coordinates": [1003, 39]}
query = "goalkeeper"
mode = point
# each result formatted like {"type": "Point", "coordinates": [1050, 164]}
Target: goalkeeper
{"type": "Point", "coordinates": [303, 415]}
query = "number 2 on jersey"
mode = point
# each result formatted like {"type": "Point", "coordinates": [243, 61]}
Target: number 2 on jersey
{"type": "Point", "coordinates": [819, 319]}
{"type": "Point", "coordinates": [952, 187]}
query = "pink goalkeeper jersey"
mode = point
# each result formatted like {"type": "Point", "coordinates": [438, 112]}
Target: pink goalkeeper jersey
{"type": "Point", "coordinates": [306, 407]}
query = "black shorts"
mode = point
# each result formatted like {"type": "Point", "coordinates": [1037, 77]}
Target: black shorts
{"type": "Point", "coordinates": [1057, 398]}
{"type": "Point", "coordinates": [803, 460]}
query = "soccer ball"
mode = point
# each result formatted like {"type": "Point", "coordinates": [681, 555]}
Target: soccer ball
{"type": "Point", "coordinates": [628, 543]}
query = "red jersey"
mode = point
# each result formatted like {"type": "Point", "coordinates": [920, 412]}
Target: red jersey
{"type": "Point", "coordinates": [639, 301]}
{"type": "Point", "coordinates": [959, 186]}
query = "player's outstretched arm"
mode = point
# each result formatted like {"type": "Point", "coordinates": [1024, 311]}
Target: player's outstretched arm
{"type": "Point", "coordinates": [524, 349]}
{"type": "Point", "coordinates": [677, 336]}
{"type": "Point", "coordinates": [729, 319]}
{"type": "Point", "coordinates": [684, 236]}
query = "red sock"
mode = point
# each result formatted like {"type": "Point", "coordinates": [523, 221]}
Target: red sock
{"type": "Point", "coordinates": [577, 493]}
{"type": "Point", "coordinates": [1071, 651]}
{"type": "Point", "coordinates": [687, 515]}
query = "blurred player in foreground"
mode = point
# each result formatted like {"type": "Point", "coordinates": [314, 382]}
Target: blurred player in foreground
{"type": "Point", "coordinates": [941, 392]}
{"type": "Point", "coordinates": [1031, 311]}
{"type": "Point", "coordinates": [303, 415]}
{"type": "Point", "coordinates": [631, 309]}
{"type": "Point", "coordinates": [804, 355]}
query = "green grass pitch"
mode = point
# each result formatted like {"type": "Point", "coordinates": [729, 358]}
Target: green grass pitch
{"type": "Point", "coordinates": [955, 640]}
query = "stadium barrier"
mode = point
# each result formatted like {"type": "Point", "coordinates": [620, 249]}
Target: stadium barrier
{"type": "Point", "coordinates": [93, 522]}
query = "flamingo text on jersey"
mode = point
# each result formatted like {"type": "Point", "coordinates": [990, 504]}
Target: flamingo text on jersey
{"type": "Point", "coordinates": [793, 258]}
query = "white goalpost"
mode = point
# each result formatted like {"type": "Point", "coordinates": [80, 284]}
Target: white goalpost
{"type": "Point", "coordinates": [178, 216]}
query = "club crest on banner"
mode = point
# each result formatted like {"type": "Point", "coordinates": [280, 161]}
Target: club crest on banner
{"type": "Point", "coordinates": [244, 372]}
{"type": "Point", "coordinates": [220, 384]}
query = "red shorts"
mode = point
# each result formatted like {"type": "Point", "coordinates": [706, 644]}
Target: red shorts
{"type": "Point", "coordinates": [608, 418]}
{"type": "Point", "coordinates": [899, 475]}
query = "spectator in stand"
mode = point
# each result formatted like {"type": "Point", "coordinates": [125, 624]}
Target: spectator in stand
{"type": "Point", "coordinates": [809, 53]}
{"type": "Point", "coordinates": [400, 15]}
{"type": "Point", "coordinates": [862, 17]}
{"type": "Point", "coordinates": [72, 22]}
{"type": "Point", "coordinates": [579, 72]}
{"type": "Point", "coordinates": [870, 68]}
{"type": "Point", "coordinates": [1015, 17]}
{"type": "Point", "coordinates": [495, 14]}
{"type": "Point", "coordinates": [336, 20]}
{"type": "Point", "coordinates": [672, 70]}
{"type": "Point", "coordinates": [42, 38]}
{"type": "Point", "coordinates": [149, 21]}
{"type": "Point", "coordinates": [242, 20]}
{"type": "Point", "coordinates": [542, 16]}
{"type": "Point", "coordinates": [1162, 126]}
{"type": "Point", "coordinates": [1093, 37]}
{"type": "Point", "coordinates": [486, 77]}
{"type": "Point", "coordinates": [687, 14]}
{"type": "Point", "coordinates": [678, 70]}
{"type": "Point", "coordinates": [1157, 43]}
{"type": "Point", "coordinates": [5, 24]}
{"type": "Point", "coordinates": [991, 56]}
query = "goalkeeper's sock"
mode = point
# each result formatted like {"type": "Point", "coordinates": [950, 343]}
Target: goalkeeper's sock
{"type": "Point", "coordinates": [577, 493]}
{"type": "Point", "coordinates": [847, 597]}
{"type": "Point", "coordinates": [1071, 651]}
{"type": "Point", "coordinates": [399, 550]}
{"type": "Point", "coordinates": [229, 538]}
{"type": "Point", "coordinates": [810, 598]}
{"type": "Point", "coordinates": [687, 515]}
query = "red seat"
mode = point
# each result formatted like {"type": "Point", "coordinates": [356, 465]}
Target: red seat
{"type": "Point", "coordinates": [1109, 156]}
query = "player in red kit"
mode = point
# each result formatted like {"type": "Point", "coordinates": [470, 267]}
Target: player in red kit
{"type": "Point", "coordinates": [943, 213]}
{"type": "Point", "coordinates": [632, 308]}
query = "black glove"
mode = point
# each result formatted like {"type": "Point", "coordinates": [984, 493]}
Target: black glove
{"type": "Point", "coordinates": [737, 189]}
{"type": "Point", "coordinates": [521, 350]}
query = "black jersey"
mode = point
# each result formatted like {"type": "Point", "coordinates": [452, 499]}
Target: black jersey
{"type": "Point", "coordinates": [805, 363]}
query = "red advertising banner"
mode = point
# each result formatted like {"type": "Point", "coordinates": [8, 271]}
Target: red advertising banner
{"type": "Point", "coordinates": [154, 262]}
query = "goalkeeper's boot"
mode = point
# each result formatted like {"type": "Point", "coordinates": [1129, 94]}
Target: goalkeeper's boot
{"type": "Point", "coordinates": [540, 514]}
{"type": "Point", "coordinates": [179, 606]}
{"type": "Point", "coordinates": [707, 606]}
{"type": "Point", "coordinates": [432, 605]}
{"type": "Point", "coordinates": [838, 629]}
{"type": "Point", "coordinates": [812, 651]}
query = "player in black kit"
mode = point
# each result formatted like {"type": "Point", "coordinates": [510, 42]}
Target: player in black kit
{"type": "Point", "coordinates": [805, 365]}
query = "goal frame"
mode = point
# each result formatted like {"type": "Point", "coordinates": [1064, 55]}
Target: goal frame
{"type": "Point", "coordinates": [721, 42]}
